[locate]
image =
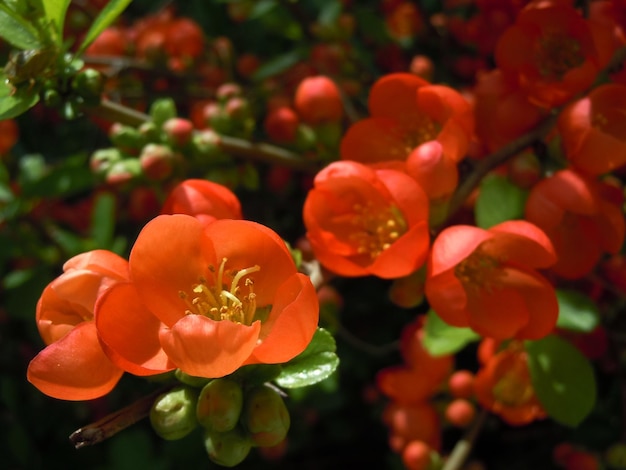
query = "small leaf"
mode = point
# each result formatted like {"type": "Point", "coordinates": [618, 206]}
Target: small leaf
{"type": "Point", "coordinates": [261, 8]}
{"type": "Point", "coordinates": [103, 220]}
{"type": "Point", "coordinates": [277, 65]}
{"type": "Point", "coordinates": [17, 31]}
{"type": "Point", "coordinates": [563, 379]}
{"type": "Point", "coordinates": [15, 101]}
{"type": "Point", "coordinates": [317, 362]}
{"type": "Point", "coordinates": [55, 11]}
{"type": "Point", "coordinates": [499, 200]}
{"type": "Point", "coordinates": [330, 12]}
{"type": "Point", "coordinates": [441, 339]}
{"type": "Point", "coordinates": [577, 312]}
{"type": "Point", "coordinates": [107, 16]}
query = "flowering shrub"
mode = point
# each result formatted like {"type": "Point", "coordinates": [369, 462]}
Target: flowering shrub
{"type": "Point", "coordinates": [383, 233]}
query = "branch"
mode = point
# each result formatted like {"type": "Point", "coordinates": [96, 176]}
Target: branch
{"type": "Point", "coordinates": [115, 422]}
{"type": "Point", "coordinates": [462, 449]}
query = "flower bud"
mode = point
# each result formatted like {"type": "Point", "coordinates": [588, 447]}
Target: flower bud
{"type": "Point", "coordinates": [123, 171]}
{"type": "Point", "coordinates": [227, 91]}
{"type": "Point", "coordinates": [173, 414]}
{"type": "Point", "coordinates": [227, 448]}
{"type": "Point", "coordinates": [126, 138]}
{"type": "Point", "coordinates": [190, 380]}
{"type": "Point", "coordinates": [162, 110]}
{"type": "Point", "coordinates": [89, 84]}
{"type": "Point", "coordinates": [219, 405]}
{"type": "Point", "coordinates": [317, 99]}
{"type": "Point", "coordinates": [205, 144]}
{"type": "Point", "coordinates": [266, 417]}
{"type": "Point", "coordinates": [157, 161]}
{"type": "Point", "coordinates": [177, 131]}
{"type": "Point", "coordinates": [102, 159]}
{"type": "Point", "coordinates": [149, 132]}
{"type": "Point", "coordinates": [281, 125]}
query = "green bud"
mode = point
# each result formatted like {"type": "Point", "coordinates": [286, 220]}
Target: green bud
{"type": "Point", "coordinates": [265, 416]}
{"type": "Point", "coordinates": [191, 380]}
{"type": "Point", "coordinates": [219, 405]}
{"type": "Point", "coordinates": [305, 137]}
{"type": "Point", "coordinates": [150, 132]}
{"type": "Point", "coordinates": [173, 414]}
{"type": "Point", "coordinates": [101, 160]}
{"type": "Point", "coordinates": [126, 138]}
{"type": "Point", "coordinates": [89, 84]}
{"type": "Point", "coordinates": [162, 110]}
{"type": "Point", "coordinates": [51, 98]}
{"type": "Point", "coordinates": [227, 448]}
{"type": "Point", "coordinates": [205, 145]}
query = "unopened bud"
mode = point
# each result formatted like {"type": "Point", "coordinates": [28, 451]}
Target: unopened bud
{"type": "Point", "coordinates": [227, 448]}
{"type": "Point", "coordinates": [227, 91]}
{"type": "Point", "coordinates": [126, 138]}
{"type": "Point", "coordinates": [177, 131]}
{"type": "Point", "coordinates": [266, 417]}
{"type": "Point", "coordinates": [205, 144]}
{"type": "Point", "coordinates": [157, 161]}
{"type": "Point", "coordinates": [123, 171]}
{"type": "Point", "coordinates": [173, 414]}
{"type": "Point", "coordinates": [89, 84]}
{"type": "Point", "coordinates": [219, 405]}
{"type": "Point", "coordinates": [162, 110]}
{"type": "Point", "coordinates": [102, 159]}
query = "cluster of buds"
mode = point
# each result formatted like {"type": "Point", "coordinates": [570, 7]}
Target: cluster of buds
{"type": "Point", "coordinates": [234, 417]}
{"type": "Point", "coordinates": [230, 113]}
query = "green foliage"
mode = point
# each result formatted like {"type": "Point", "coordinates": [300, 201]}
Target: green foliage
{"type": "Point", "coordinates": [563, 379]}
{"type": "Point", "coordinates": [105, 18]}
{"type": "Point", "coordinates": [441, 339]}
{"type": "Point", "coordinates": [317, 362]}
{"type": "Point", "coordinates": [498, 200]}
{"type": "Point", "coordinates": [577, 312]}
{"type": "Point", "coordinates": [17, 31]}
{"type": "Point", "coordinates": [55, 11]}
{"type": "Point", "coordinates": [15, 101]}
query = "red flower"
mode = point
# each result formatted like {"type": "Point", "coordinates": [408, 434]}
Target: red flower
{"type": "Point", "coordinates": [205, 200]}
{"type": "Point", "coordinates": [552, 52]}
{"type": "Point", "coordinates": [593, 130]}
{"type": "Point", "coordinates": [407, 111]}
{"type": "Point", "coordinates": [73, 366]}
{"type": "Point", "coordinates": [366, 221]}
{"type": "Point", "coordinates": [581, 223]}
{"type": "Point", "coordinates": [503, 386]}
{"type": "Point", "coordinates": [486, 280]}
{"type": "Point", "coordinates": [228, 294]}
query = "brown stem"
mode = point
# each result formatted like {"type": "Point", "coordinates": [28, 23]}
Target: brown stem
{"type": "Point", "coordinates": [463, 448]}
{"type": "Point", "coordinates": [115, 422]}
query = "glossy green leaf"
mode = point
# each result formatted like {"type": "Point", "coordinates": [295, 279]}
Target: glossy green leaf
{"type": "Point", "coordinates": [317, 362]}
{"type": "Point", "coordinates": [577, 312]}
{"type": "Point", "coordinates": [107, 16]}
{"type": "Point", "coordinates": [441, 339]}
{"type": "Point", "coordinates": [563, 379]}
{"type": "Point", "coordinates": [278, 65]}
{"type": "Point", "coordinates": [55, 11]}
{"type": "Point", "coordinates": [499, 200]}
{"type": "Point", "coordinates": [17, 31]}
{"type": "Point", "coordinates": [15, 101]}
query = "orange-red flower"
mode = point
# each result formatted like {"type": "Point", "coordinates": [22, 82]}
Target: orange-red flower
{"type": "Point", "coordinates": [73, 365]}
{"type": "Point", "coordinates": [552, 52]}
{"type": "Point", "coordinates": [580, 220]}
{"type": "Point", "coordinates": [227, 294]}
{"type": "Point", "coordinates": [503, 386]}
{"type": "Point", "coordinates": [205, 200]}
{"type": "Point", "coordinates": [487, 280]}
{"type": "Point", "coordinates": [593, 130]}
{"type": "Point", "coordinates": [406, 111]}
{"type": "Point", "coordinates": [363, 221]}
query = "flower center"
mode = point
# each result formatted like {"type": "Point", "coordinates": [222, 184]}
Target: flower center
{"type": "Point", "coordinates": [556, 54]}
{"type": "Point", "coordinates": [480, 271]}
{"type": "Point", "coordinates": [376, 228]}
{"type": "Point", "coordinates": [223, 299]}
{"type": "Point", "coordinates": [514, 388]}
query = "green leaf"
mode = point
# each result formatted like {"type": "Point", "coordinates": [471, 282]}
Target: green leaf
{"type": "Point", "coordinates": [103, 220]}
{"type": "Point", "coordinates": [17, 31]}
{"type": "Point", "coordinates": [441, 339]}
{"type": "Point", "coordinates": [107, 16]}
{"type": "Point", "coordinates": [330, 12]}
{"type": "Point", "coordinates": [563, 379]}
{"type": "Point", "coordinates": [317, 362]}
{"type": "Point", "coordinates": [499, 200]}
{"type": "Point", "coordinates": [577, 312]}
{"type": "Point", "coordinates": [261, 8]}
{"type": "Point", "coordinates": [278, 65]}
{"type": "Point", "coordinates": [15, 101]}
{"type": "Point", "coordinates": [55, 11]}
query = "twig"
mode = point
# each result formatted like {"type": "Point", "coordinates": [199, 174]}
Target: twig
{"type": "Point", "coordinates": [117, 421]}
{"type": "Point", "coordinates": [462, 448]}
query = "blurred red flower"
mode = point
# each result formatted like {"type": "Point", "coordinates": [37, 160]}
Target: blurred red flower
{"type": "Point", "coordinates": [487, 280]}
{"type": "Point", "coordinates": [362, 220]}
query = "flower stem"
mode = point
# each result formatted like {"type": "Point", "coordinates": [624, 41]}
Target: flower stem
{"type": "Point", "coordinates": [462, 448]}
{"type": "Point", "coordinates": [115, 422]}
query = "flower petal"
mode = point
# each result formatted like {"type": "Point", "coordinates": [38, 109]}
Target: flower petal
{"type": "Point", "coordinates": [203, 347]}
{"type": "Point", "coordinates": [291, 323]}
{"type": "Point", "coordinates": [74, 367]}
{"type": "Point", "coordinates": [120, 317]}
